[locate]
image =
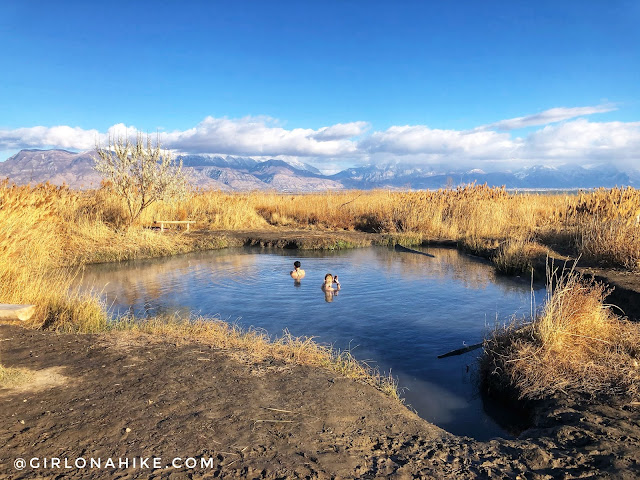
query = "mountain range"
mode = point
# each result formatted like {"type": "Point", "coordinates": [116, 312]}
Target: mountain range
{"type": "Point", "coordinates": [245, 173]}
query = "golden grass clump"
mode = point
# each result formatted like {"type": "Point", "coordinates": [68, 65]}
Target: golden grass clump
{"type": "Point", "coordinates": [212, 210]}
{"type": "Point", "coordinates": [519, 255]}
{"type": "Point", "coordinates": [576, 345]}
{"type": "Point", "coordinates": [450, 214]}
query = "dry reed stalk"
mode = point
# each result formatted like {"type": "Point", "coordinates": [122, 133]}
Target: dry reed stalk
{"type": "Point", "coordinates": [576, 345]}
{"type": "Point", "coordinates": [519, 255]}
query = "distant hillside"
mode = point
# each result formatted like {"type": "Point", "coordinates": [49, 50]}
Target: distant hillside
{"type": "Point", "coordinates": [245, 173]}
{"type": "Point", "coordinates": [55, 166]}
{"type": "Point", "coordinates": [206, 171]}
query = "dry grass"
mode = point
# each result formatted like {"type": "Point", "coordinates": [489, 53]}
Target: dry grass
{"type": "Point", "coordinates": [32, 255]}
{"type": "Point", "coordinates": [91, 226]}
{"type": "Point", "coordinates": [607, 223]}
{"type": "Point", "coordinates": [519, 255]}
{"type": "Point", "coordinates": [256, 346]}
{"type": "Point", "coordinates": [576, 345]}
{"type": "Point", "coordinates": [12, 377]}
{"type": "Point", "coordinates": [449, 214]}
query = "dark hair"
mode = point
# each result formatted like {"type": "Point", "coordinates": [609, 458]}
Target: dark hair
{"type": "Point", "coordinates": [328, 275]}
{"type": "Point", "coordinates": [296, 264]}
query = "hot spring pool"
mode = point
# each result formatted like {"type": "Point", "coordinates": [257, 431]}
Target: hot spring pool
{"type": "Point", "coordinates": [396, 310]}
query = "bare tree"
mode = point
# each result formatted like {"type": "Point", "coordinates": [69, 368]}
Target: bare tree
{"type": "Point", "coordinates": [140, 172]}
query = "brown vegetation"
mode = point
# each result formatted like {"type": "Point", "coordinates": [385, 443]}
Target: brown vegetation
{"type": "Point", "coordinates": [576, 345]}
{"type": "Point", "coordinates": [608, 226]}
{"type": "Point", "coordinates": [257, 346]}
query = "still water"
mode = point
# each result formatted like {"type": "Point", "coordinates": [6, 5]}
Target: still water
{"type": "Point", "coordinates": [396, 310]}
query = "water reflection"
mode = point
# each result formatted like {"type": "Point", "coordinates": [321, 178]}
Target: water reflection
{"type": "Point", "coordinates": [152, 281]}
{"type": "Point", "coordinates": [442, 403]}
{"type": "Point", "coordinates": [446, 264]}
{"type": "Point", "coordinates": [396, 310]}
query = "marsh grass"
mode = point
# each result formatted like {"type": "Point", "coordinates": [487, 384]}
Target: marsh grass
{"type": "Point", "coordinates": [519, 255]}
{"type": "Point", "coordinates": [91, 226]}
{"type": "Point", "coordinates": [607, 225]}
{"type": "Point", "coordinates": [576, 345]}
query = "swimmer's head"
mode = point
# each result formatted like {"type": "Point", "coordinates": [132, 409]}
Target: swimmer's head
{"type": "Point", "coordinates": [328, 277]}
{"type": "Point", "coordinates": [296, 264]}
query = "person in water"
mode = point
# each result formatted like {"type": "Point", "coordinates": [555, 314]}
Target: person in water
{"type": "Point", "coordinates": [297, 273]}
{"type": "Point", "coordinates": [327, 287]}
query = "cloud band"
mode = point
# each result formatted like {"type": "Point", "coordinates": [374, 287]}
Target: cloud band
{"type": "Point", "coordinates": [565, 136]}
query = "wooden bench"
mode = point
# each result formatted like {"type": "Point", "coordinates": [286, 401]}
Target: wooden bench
{"type": "Point", "coordinates": [16, 312]}
{"type": "Point", "coordinates": [162, 223]}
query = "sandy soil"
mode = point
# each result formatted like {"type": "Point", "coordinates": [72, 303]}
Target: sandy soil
{"type": "Point", "coordinates": [122, 397]}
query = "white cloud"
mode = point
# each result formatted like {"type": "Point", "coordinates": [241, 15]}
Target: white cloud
{"type": "Point", "coordinates": [438, 143]}
{"type": "Point", "coordinates": [247, 136]}
{"type": "Point", "coordinates": [584, 140]}
{"type": "Point", "coordinates": [39, 137]}
{"type": "Point", "coordinates": [552, 115]}
{"type": "Point", "coordinates": [341, 131]}
{"type": "Point", "coordinates": [253, 136]}
{"type": "Point", "coordinates": [60, 136]}
{"type": "Point", "coordinates": [346, 144]}
{"type": "Point", "coordinates": [573, 141]}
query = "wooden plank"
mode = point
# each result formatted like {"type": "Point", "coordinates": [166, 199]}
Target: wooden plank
{"type": "Point", "coordinates": [174, 221]}
{"type": "Point", "coordinates": [16, 312]}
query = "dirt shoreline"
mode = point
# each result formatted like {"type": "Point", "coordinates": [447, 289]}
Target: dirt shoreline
{"type": "Point", "coordinates": [122, 396]}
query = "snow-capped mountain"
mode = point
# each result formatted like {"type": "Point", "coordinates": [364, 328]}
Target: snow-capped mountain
{"type": "Point", "coordinates": [207, 171]}
{"type": "Point", "coordinates": [567, 177]}
{"type": "Point", "coordinates": [246, 173]}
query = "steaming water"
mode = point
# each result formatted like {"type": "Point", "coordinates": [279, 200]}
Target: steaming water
{"type": "Point", "coordinates": [396, 310]}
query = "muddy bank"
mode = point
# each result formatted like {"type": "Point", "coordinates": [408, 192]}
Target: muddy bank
{"type": "Point", "coordinates": [123, 396]}
{"type": "Point", "coordinates": [300, 239]}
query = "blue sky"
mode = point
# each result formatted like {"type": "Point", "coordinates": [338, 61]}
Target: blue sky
{"type": "Point", "coordinates": [334, 83]}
